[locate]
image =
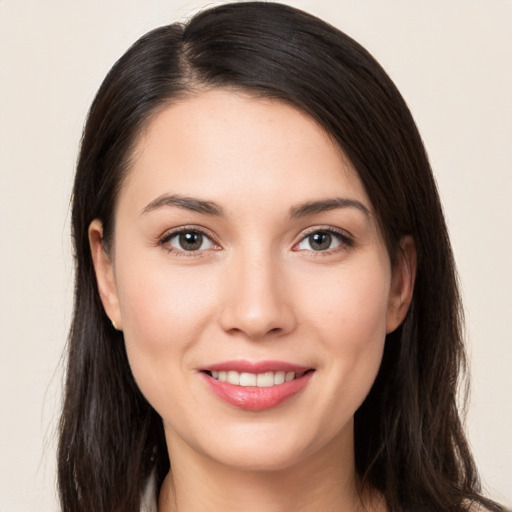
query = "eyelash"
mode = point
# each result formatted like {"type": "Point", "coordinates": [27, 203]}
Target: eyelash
{"type": "Point", "coordinates": [164, 241]}
{"type": "Point", "coordinates": [345, 241]}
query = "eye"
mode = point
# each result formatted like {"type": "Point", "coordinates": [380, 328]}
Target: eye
{"type": "Point", "coordinates": [323, 240]}
{"type": "Point", "coordinates": [188, 240]}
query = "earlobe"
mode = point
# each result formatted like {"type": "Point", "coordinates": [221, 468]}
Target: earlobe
{"type": "Point", "coordinates": [105, 276]}
{"type": "Point", "coordinates": [402, 284]}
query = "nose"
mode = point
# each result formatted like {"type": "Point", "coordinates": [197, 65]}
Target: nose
{"type": "Point", "coordinates": [256, 301]}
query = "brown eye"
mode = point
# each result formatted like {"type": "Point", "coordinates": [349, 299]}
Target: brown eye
{"type": "Point", "coordinates": [320, 241]}
{"type": "Point", "coordinates": [189, 241]}
{"type": "Point", "coordinates": [323, 240]}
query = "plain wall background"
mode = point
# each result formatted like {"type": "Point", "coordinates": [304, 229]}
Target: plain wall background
{"type": "Point", "coordinates": [451, 59]}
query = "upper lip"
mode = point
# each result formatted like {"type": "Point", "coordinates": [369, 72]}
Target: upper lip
{"type": "Point", "coordinates": [255, 367]}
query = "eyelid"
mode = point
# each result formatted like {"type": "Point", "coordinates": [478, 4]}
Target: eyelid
{"type": "Point", "coordinates": [346, 239]}
{"type": "Point", "coordinates": [344, 236]}
{"type": "Point", "coordinates": [171, 233]}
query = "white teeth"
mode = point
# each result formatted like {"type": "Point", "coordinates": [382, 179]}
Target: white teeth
{"type": "Point", "coordinates": [265, 380]}
{"type": "Point", "coordinates": [233, 378]}
{"type": "Point", "coordinates": [279, 377]}
{"type": "Point", "coordinates": [247, 379]}
{"type": "Point", "coordinates": [261, 380]}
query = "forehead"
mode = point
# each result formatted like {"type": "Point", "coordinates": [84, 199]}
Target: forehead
{"type": "Point", "coordinates": [226, 144]}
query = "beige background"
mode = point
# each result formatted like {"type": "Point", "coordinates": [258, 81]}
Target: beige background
{"type": "Point", "coordinates": [452, 60]}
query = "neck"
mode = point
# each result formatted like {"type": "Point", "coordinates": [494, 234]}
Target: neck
{"type": "Point", "coordinates": [324, 481]}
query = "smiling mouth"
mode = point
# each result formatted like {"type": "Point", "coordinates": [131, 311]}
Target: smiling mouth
{"type": "Point", "coordinates": [256, 386]}
{"type": "Point", "coordinates": [260, 380]}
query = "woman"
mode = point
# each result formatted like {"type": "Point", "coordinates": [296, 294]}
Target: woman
{"type": "Point", "coordinates": [266, 308]}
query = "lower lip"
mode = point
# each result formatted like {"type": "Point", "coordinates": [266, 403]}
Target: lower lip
{"type": "Point", "coordinates": [253, 398]}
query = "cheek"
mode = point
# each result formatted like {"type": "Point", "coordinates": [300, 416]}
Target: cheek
{"type": "Point", "coordinates": [160, 304]}
{"type": "Point", "coordinates": [163, 315]}
{"type": "Point", "coordinates": [349, 322]}
{"type": "Point", "coordinates": [350, 305]}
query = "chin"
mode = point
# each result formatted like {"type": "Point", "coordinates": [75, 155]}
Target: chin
{"type": "Point", "coordinates": [256, 458]}
{"type": "Point", "coordinates": [269, 446]}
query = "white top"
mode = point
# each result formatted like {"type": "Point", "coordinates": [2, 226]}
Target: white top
{"type": "Point", "coordinates": [149, 503]}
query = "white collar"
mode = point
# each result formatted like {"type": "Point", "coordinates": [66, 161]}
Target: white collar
{"type": "Point", "coordinates": [148, 502]}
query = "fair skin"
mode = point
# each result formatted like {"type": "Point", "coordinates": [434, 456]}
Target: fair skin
{"type": "Point", "coordinates": [273, 255]}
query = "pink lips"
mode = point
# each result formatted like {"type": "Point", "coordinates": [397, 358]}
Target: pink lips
{"type": "Point", "coordinates": [255, 398]}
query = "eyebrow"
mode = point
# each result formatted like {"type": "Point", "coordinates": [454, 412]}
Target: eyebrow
{"type": "Point", "coordinates": [212, 208]}
{"type": "Point", "coordinates": [185, 202]}
{"type": "Point", "coordinates": [312, 207]}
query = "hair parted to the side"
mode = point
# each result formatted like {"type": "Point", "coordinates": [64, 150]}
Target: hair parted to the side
{"type": "Point", "coordinates": [408, 435]}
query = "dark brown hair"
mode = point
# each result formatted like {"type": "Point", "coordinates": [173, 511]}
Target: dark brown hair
{"type": "Point", "coordinates": [409, 440]}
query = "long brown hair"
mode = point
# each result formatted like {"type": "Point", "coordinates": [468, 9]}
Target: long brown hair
{"type": "Point", "coordinates": [409, 441]}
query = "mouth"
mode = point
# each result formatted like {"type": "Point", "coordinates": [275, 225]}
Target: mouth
{"type": "Point", "coordinates": [266, 386]}
{"type": "Point", "coordinates": [260, 380]}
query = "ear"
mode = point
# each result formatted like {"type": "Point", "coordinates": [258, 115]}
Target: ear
{"type": "Point", "coordinates": [402, 283]}
{"type": "Point", "coordinates": [105, 275]}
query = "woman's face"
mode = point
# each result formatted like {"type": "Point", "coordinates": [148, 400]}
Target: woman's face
{"type": "Point", "coordinates": [246, 253]}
